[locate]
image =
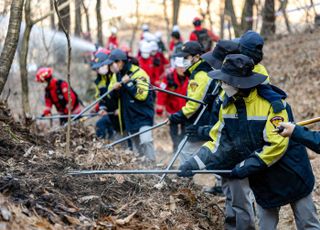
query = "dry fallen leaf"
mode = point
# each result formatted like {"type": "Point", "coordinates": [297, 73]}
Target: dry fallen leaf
{"type": "Point", "coordinates": [125, 220]}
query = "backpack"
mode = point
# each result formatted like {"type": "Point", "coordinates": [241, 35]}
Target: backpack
{"type": "Point", "coordinates": [204, 39]}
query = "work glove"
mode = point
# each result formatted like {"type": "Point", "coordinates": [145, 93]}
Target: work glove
{"type": "Point", "coordinates": [187, 167]}
{"type": "Point", "coordinates": [177, 117]}
{"type": "Point", "coordinates": [192, 130]}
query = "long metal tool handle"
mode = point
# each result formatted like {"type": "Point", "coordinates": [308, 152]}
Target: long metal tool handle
{"type": "Point", "coordinates": [185, 139]}
{"type": "Point", "coordinates": [136, 134]}
{"type": "Point", "coordinates": [66, 116]}
{"type": "Point", "coordinates": [90, 106]}
{"type": "Point", "coordinates": [300, 123]}
{"type": "Point", "coordinates": [154, 171]}
{"type": "Point", "coordinates": [153, 87]}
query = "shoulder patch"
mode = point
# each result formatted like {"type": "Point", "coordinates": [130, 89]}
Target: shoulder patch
{"type": "Point", "coordinates": [142, 78]}
{"type": "Point", "coordinates": [275, 121]}
{"type": "Point", "coordinates": [193, 85]}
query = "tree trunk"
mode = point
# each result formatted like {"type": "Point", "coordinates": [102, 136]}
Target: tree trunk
{"type": "Point", "coordinates": [175, 16]}
{"type": "Point", "coordinates": [247, 16]}
{"type": "Point", "coordinates": [167, 20]}
{"type": "Point", "coordinates": [88, 35]}
{"type": "Point", "coordinates": [99, 22]}
{"type": "Point", "coordinates": [23, 55]}
{"type": "Point", "coordinates": [209, 14]}
{"type": "Point", "coordinates": [11, 41]}
{"type": "Point", "coordinates": [268, 17]}
{"type": "Point", "coordinates": [65, 15]}
{"type": "Point", "coordinates": [78, 21]}
{"type": "Point", "coordinates": [283, 7]}
{"type": "Point", "coordinates": [230, 11]}
{"type": "Point", "coordinates": [136, 26]}
{"type": "Point", "coordinates": [222, 18]}
{"type": "Point", "coordinates": [52, 22]}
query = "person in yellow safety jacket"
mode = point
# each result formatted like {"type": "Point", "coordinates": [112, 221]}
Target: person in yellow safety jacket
{"type": "Point", "coordinates": [200, 87]}
{"type": "Point", "coordinates": [107, 124]}
{"type": "Point", "coordinates": [131, 90]}
{"type": "Point", "coordinates": [244, 141]}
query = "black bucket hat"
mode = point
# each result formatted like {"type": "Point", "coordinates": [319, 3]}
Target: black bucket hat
{"type": "Point", "coordinates": [236, 71]}
{"type": "Point", "coordinates": [190, 48]}
{"type": "Point", "coordinates": [221, 50]}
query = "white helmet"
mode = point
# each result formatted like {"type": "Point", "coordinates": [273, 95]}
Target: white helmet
{"type": "Point", "coordinates": [175, 28]}
{"type": "Point", "coordinates": [145, 47]}
{"type": "Point", "coordinates": [147, 36]}
{"type": "Point", "coordinates": [158, 35]}
{"type": "Point", "coordinates": [145, 27]}
{"type": "Point", "coordinates": [113, 30]}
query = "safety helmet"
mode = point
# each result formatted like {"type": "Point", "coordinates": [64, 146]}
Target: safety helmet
{"type": "Point", "coordinates": [43, 74]}
{"type": "Point", "coordinates": [196, 21]}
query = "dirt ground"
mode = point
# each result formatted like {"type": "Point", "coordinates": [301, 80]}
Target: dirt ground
{"type": "Point", "coordinates": [37, 193]}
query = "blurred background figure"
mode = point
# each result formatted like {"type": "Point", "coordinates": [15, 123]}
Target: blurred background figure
{"type": "Point", "coordinates": [112, 42]}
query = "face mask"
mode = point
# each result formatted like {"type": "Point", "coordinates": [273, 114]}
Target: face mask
{"type": "Point", "coordinates": [145, 55]}
{"type": "Point", "coordinates": [230, 90]}
{"type": "Point", "coordinates": [103, 70]}
{"type": "Point", "coordinates": [186, 63]}
{"type": "Point", "coordinates": [114, 68]}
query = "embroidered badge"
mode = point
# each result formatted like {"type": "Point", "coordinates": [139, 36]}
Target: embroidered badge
{"type": "Point", "coordinates": [276, 121]}
{"type": "Point", "coordinates": [193, 86]}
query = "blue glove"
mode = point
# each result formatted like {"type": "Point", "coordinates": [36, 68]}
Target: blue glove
{"type": "Point", "coordinates": [177, 117]}
{"type": "Point", "coordinates": [187, 167]}
{"type": "Point", "coordinates": [192, 130]}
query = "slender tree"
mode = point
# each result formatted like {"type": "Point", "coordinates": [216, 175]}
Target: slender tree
{"type": "Point", "coordinates": [11, 41]}
{"type": "Point", "coordinates": [268, 16]}
{"type": "Point", "coordinates": [78, 21]}
{"type": "Point", "coordinates": [65, 14]}
{"type": "Point", "coordinates": [175, 11]}
{"type": "Point", "coordinates": [99, 22]}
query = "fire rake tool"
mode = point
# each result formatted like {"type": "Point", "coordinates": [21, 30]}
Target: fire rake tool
{"type": "Point", "coordinates": [145, 172]}
{"type": "Point", "coordinates": [136, 134]}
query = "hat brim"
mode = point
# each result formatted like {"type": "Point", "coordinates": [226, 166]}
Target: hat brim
{"type": "Point", "coordinates": [181, 54]}
{"type": "Point", "coordinates": [96, 65]}
{"type": "Point", "coordinates": [238, 82]}
{"type": "Point", "coordinates": [211, 60]}
{"type": "Point", "coordinates": [108, 62]}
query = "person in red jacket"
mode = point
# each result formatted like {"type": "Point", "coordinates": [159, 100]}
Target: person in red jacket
{"type": "Point", "coordinates": [56, 93]}
{"type": "Point", "coordinates": [112, 42]}
{"type": "Point", "coordinates": [202, 35]}
{"type": "Point", "coordinates": [145, 60]}
{"type": "Point", "coordinates": [159, 62]}
{"type": "Point", "coordinates": [175, 81]}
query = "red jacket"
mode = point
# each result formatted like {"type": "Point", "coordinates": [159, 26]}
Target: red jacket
{"type": "Point", "coordinates": [112, 40]}
{"type": "Point", "coordinates": [159, 64]}
{"type": "Point", "coordinates": [56, 93]}
{"type": "Point", "coordinates": [146, 65]}
{"type": "Point", "coordinates": [172, 82]}
{"type": "Point", "coordinates": [193, 36]}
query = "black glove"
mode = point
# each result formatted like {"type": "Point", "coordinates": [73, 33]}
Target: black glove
{"type": "Point", "coordinates": [156, 61]}
{"type": "Point", "coordinates": [192, 130]}
{"type": "Point", "coordinates": [187, 167]}
{"type": "Point", "coordinates": [177, 117]}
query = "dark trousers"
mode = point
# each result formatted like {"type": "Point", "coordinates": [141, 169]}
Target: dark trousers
{"type": "Point", "coordinates": [177, 132]}
{"type": "Point", "coordinates": [104, 127]}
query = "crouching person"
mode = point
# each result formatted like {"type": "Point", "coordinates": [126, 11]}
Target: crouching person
{"type": "Point", "coordinates": [279, 170]}
{"type": "Point", "coordinates": [131, 89]}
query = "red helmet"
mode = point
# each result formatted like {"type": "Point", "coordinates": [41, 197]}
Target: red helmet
{"type": "Point", "coordinates": [43, 74]}
{"type": "Point", "coordinates": [197, 21]}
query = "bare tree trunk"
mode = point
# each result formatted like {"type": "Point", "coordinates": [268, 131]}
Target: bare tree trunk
{"type": "Point", "coordinates": [268, 23]}
{"type": "Point", "coordinates": [99, 22]}
{"type": "Point", "coordinates": [52, 22]}
{"type": "Point", "coordinates": [167, 20]}
{"type": "Point", "coordinates": [247, 16]}
{"type": "Point", "coordinates": [136, 26]}
{"type": "Point", "coordinates": [175, 11]}
{"type": "Point", "coordinates": [68, 77]}
{"type": "Point", "coordinates": [65, 15]}
{"type": "Point", "coordinates": [23, 55]}
{"type": "Point", "coordinates": [222, 17]}
{"type": "Point", "coordinates": [283, 7]}
{"type": "Point", "coordinates": [230, 11]}
{"type": "Point", "coordinates": [209, 14]}
{"type": "Point", "coordinates": [78, 21]}
{"type": "Point", "coordinates": [11, 41]}
{"type": "Point", "coordinates": [87, 21]}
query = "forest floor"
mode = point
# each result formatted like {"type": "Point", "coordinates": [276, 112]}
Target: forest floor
{"type": "Point", "coordinates": [37, 193]}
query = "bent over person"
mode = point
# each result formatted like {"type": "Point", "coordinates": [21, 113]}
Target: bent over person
{"type": "Point", "coordinates": [244, 141]}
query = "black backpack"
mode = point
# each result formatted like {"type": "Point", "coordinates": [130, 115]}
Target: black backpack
{"type": "Point", "coordinates": [204, 39]}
